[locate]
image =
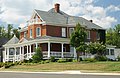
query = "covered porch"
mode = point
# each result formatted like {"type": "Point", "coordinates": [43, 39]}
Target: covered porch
{"type": "Point", "coordinates": [25, 49]}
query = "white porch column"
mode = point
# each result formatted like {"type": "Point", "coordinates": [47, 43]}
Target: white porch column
{"type": "Point", "coordinates": [7, 54]}
{"type": "Point", "coordinates": [62, 51]}
{"type": "Point", "coordinates": [4, 56]}
{"type": "Point", "coordinates": [20, 54]}
{"type": "Point", "coordinates": [75, 55]}
{"type": "Point", "coordinates": [15, 54]}
{"type": "Point", "coordinates": [27, 52]}
{"type": "Point", "coordinates": [30, 51]}
{"type": "Point", "coordinates": [48, 49]}
{"type": "Point", "coordinates": [36, 45]}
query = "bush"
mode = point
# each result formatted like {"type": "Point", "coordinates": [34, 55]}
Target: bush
{"type": "Point", "coordinates": [101, 58]}
{"type": "Point", "coordinates": [61, 60]}
{"type": "Point", "coordinates": [89, 59]}
{"type": "Point", "coordinates": [69, 60]}
{"type": "Point", "coordinates": [37, 57]}
{"type": "Point", "coordinates": [47, 61]}
{"type": "Point", "coordinates": [118, 58]}
{"type": "Point", "coordinates": [74, 60]}
{"type": "Point", "coordinates": [52, 59]}
{"type": "Point", "coordinates": [1, 64]}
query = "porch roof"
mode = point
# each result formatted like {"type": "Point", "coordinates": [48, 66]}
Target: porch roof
{"type": "Point", "coordinates": [43, 39]}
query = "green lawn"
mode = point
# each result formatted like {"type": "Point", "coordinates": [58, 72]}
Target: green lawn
{"type": "Point", "coordinates": [82, 66]}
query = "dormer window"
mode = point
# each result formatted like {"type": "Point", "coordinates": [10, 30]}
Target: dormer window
{"type": "Point", "coordinates": [38, 32]}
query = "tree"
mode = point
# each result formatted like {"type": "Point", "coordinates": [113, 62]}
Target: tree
{"type": "Point", "coordinates": [96, 48]}
{"type": "Point", "coordinates": [77, 39]}
{"type": "Point", "coordinates": [38, 56]}
{"type": "Point", "coordinates": [9, 29]}
{"type": "Point", "coordinates": [113, 36]}
{"type": "Point", "coordinates": [16, 32]}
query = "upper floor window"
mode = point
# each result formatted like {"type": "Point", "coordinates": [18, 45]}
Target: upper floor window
{"type": "Point", "coordinates": [71, 30]}
{"type": "Point", "coordinates": [63, 32]}
{"type": "Point", "coordinates": [88, 34]}
{"type": "Point", "coordinates": [25, 34]}
{"type": "Point", "coordinates": [30, 33]}
{"type": "Point", "coordinates": [38, 31]}
{"type": "Point", "coordinates": [112, 51]}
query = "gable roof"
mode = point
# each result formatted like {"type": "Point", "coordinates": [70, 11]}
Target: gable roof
{"type": "Point", "coordinates": [3, 41]}
{"type": "Point", "coordinates": [52, 18]}
{"type": "Point", "coordinates": [13, 40]}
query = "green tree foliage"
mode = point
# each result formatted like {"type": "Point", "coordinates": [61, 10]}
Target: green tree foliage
{"type": "Point", "coordinates": [38, 56]}
{"type": "Point", "coordinates": [9, 31]}
{"type": "Point", "coordinates": [113, 36]}
{"type": "Point", "coordinates": [77, 38]}
{"type": "Point", "coordinates": [16, 32]}
{"type": "Point", "coordinates": [96, 48]}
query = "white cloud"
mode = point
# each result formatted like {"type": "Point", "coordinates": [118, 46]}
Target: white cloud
{"type": "Point", "coordinates": [19, 11]}
{"type": "Point", "coordinates": [113, 8]}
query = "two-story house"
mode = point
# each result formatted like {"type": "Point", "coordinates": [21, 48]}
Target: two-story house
{"type": "Point", "coordinates": [51, 31]}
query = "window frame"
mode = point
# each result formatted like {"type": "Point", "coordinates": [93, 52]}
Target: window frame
{"type": "Point", "coordinates": [30, 33]}
{"type": "Point", "coordinates": [37, 35]}
{"type": "Point", "coordinates": [63, 32]}
{"type": "Point", "coordinates": [70, 31]}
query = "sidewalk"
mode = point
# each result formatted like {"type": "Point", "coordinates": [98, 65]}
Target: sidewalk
{"type": "Point", "coordinates": [66, 72]}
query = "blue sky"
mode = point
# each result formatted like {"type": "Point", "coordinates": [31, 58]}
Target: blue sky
{"type": "Point", "coordinates": [105, 13]}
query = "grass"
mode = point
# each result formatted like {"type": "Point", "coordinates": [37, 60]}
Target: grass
{"type": "Point", "coordinates": [83, 66]}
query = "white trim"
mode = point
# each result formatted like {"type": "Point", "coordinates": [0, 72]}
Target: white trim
{"type": "Point", "coordinates": [63, 32]}
{"type": "Point", "coordinates": [88, 34]}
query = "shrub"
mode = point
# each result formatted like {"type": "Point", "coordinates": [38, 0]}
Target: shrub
{"type": "Point", "coordinates": [101, 58]}
{"type": "Point", "coordinates": [69, 60]}
{"type": "Point", "coordinates": [74, 60]}
{"type": "Point", "coordinates": [1, 64]}
{"type": "Point", "coordinates": [37, 57]}
{"type": "Point", "coordinates": [52, 59]}
{"type": "Point", "coordinates": [89, 59]}
{"type": "Point", "coordinates": [61, 61]}
{"type": "Point", "coordinates": [118, 58]}
{"type": "Point", "coordinates": [47, 61]}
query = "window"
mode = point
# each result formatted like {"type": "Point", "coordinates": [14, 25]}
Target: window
{"type": "Point", "coordinates": [71, 30]}
{"type": "Point", "coordinates": [30, 33]}
{"type": "Point", "coordinates": [98, 35]}
{"type": "Point", "coordinates": [63, 32]}
{"type": "Point", "coordinates": [112, 51]}
{"type": "Point", "coordinates": [107, 51]}
{"type": "Point", "coordinates": [25, 33]}
{"type": "Point", "coordinates": [88, 34]}
{"type": "Point", "coordinates": [38, 32]}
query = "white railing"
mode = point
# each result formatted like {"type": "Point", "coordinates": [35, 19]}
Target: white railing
{"type": "Point", "coordinates": [56, 54]}
{"type": "Point", "coordinates": [67, 54]}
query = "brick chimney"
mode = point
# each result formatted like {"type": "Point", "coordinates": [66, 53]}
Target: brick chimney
{"type": "Point", "coordinates": [57, 7]}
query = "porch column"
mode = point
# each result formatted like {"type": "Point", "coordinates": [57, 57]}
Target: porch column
{"type": "Point", "coordinates": [30, 51]}
{"type": "Point", "coordinates": [15, 54]}
{"type": "Point", "coordinates": [48, 49]}
{"type": "Point", "coordinates": [36, 45]}
{"type": "Point", "coordinates": [27, 51]}
{"type": "Point", "coordinates": [4, 57]}
{"type": "Point", "coordinates": [7, 54]}
{"type": "Point", "coordinates": [62, 51]}
{"type": "Point", "coordinates": [20, 54]}
{"type": "Point", "coordinates": [75, 56]}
